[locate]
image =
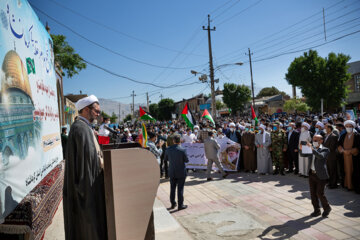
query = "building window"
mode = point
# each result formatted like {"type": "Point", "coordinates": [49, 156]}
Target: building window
{"type": "Point", "coordinates": [357, 83]}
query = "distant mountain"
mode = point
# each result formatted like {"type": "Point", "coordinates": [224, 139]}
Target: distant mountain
{"type": "Point", "coordinates": [111, 106]}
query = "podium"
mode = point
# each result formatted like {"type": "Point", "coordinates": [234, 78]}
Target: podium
{"type": "Point", "coordinates": [132, 177]}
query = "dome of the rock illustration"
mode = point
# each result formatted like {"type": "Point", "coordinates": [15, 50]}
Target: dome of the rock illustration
{"type": "Point", "coordinates": [15, 74]}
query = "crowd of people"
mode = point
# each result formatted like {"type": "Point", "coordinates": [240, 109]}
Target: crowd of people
{"type": "Point", "coordinates": [272, 146]}
{"type": "Point", "coordinates": [324, 149]}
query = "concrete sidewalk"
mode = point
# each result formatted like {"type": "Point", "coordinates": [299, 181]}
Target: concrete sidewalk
{"type": "Point", "coordinates": [166, 227]}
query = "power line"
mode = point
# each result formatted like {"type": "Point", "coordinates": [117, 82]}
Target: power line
{"type": "Point", "coordinates": [305, 49]}
{"type": "Point", "coordinates": [122, 33]}
{"type": "Point", "coordinates": [268, 37]}
{"type": "Point", "coordinates": [237, 14]}
{"type": "Point", "coordinates": [108, 49]}
{"type": "Point", "coordinates": [136, 81]}
{"type": "Point", "coordinates": [298, 34]}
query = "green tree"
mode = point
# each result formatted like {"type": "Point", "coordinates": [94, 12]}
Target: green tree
{"type": "Point", "coordinates": [154, 110]}
{"type": "Point", "coordinates": [166, 107]}
{"type": "Point", "coordinates": [113, 118]}
{"type": "Point", "coordinates": [66, 57]}
{"type": "Point", "coordinates": [319, 77]}
{"type": "Point", "coordinates": [297, 105]}
{"type": "Point", "coordinates": [219, 105]}
{"type": "Point", "coordinates": [105, 115]}
{"type": "Point", "coordinates": [236, 96]}
{"type": "Point", "coordinates": [270, 91]}
{"type": "Point", "coordinates": [127, 118]}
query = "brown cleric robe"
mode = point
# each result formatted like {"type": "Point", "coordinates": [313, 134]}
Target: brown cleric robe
{"type": "Point", "coordinates": [248, 139]}
{"type": "Point", "coordinates": [83, 193]}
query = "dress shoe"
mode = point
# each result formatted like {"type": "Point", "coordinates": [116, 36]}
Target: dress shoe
{"type": "Point", "coordinates": [209, 179]}
{"type": "Point", "coordinates": [282, 173]}
{"type": "Point", "coordinates": [173, 206]}
{"type": "Point", "coordinates": [182, 207]}
{"type": "Point", "coordinates": [315, 213]}
{"type": "Point", "coordinates": [226, 174]}
{"type": "Point", "coordinates": [326, 212]}
{"type": "Point", "coordinates": [289, 171]}
{"type": "Point", "coordinates": [296, 172]}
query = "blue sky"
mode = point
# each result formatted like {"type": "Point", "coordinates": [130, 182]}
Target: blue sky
{"type": "Point", "coordinates": [168, 34]}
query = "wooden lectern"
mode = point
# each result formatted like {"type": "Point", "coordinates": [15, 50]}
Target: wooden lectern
{"type": "Point", "coordinates": [132, 177]}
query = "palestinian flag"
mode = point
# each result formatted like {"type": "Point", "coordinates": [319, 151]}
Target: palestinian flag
{"type": "Point", "coordinates": [145, 116]}
{"type": "Point", "coordinates": [207, 115]}
{"type": "Point", "coordinates": [143, 140]}
{"type": "Point", "coordinates": [188, 117]}
{"type": "Point", "coordinates": [254, 115]}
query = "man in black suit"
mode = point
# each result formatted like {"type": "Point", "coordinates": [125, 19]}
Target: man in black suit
{"type": "Point", "coordinates": [176, 155]}
{"type": "Point", "coordinates": [331, 142]}
{"type": "Point", "coordinates": [293, 148]}
{"type": "Point", "coordinates": [318, 176]}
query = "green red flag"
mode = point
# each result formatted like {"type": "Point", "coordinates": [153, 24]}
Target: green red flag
{"type": "Point", "coordinates": [207, 115]}
{"type": "Point", "coordinates": [188, 117]}
{"type": "Point", "coordinates": [143, 140]}
{"type": "Point", "coordinates": [254, 115]}
{"type": "Point", "coordinates": [145, 116]}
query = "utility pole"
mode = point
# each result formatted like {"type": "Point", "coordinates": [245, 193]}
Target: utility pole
{"type": "Point", "coordinates": [213, 105]}
{"type": "Point", "coordinates": [133, 106]}
{"type": "Point", "coordinates": [324, 24]}
{"type": "Point", "coordinates": [294, 91]}
{"type": "Point", "coordinates": [119, 111]}
{"type": "Point", "coordinates": [147, 101]}
{"type": "Point", "coordinates": [161, 96]}
{"type": "Point", "coordinates": [252, 82]}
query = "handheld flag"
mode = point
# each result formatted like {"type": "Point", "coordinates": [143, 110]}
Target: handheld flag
{"type": "Point", "coordinates": [145, 116]}
{"type": "Point", "coordinates": [144, 136]}
{"type": "Point", "coordinates": [254, 115]}
{"type": "Point", "coordinates": [207, 115]}
{"type": "Point", "coordinates": [188, 117]}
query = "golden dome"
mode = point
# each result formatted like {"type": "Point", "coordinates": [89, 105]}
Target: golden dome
{"type": "Point", "coordinates": [15, 74]}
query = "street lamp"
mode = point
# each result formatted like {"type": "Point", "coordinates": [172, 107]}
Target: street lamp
{"type": "Point", "coordinates": [203, 78]}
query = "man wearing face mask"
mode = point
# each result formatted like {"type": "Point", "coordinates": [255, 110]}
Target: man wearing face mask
{"type": "Point", "coordinates": [293, 148]}
{"type": "Point", "coordinates": [189, 137]}
{"type": "Point", "coordinates": [305, 136]}
{"type": "Point", "coordinates": [331, 143]}
{"type": "Point", "coordinates": [349, 148]}
{"type": "Point", "coordinates": [318, 176]}
{"type": "Point", "coordinates": [248, 148]}
{"type": "Point", "coordinates": [263, 142]}
{"type": "Point", "coordinates": [319, 129]}
{"type": "Point", "coordinates": [233, 134]}
{"type": "Point", "coordinates": [278, 146]}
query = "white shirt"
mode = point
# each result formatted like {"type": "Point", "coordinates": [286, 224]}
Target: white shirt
{"type": "Point", "coordinates": [189, 138]}
{"type": "Point", "coordinates": [103, 131]}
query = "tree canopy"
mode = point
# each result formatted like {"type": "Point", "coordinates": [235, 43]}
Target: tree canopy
{"type": "Point", "coordinates": [270, 91]}
{"type": "Point", "coordinates": [236, 96]}
{"type": "Point", "coordinates": [113, 118]}
{"type": "Point", "coordinates": [166, 108]}
{"type": "Point", "coordinates": [319, 77]}
{"type": "Point", "coordinates": [154, 110]}
{"type": "Point", "coordinates": [65, 56]}
{"type": "Point", "coordinates": [297, 105]}
{"type": "Point", "coordinates": [128, 118]}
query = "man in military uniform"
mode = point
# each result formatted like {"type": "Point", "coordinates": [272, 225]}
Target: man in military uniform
{"type": "Point", "coordinates": [278, 146]}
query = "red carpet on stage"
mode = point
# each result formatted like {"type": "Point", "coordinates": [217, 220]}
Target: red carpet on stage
{"type": "Point", "coordinates": [35, 212]}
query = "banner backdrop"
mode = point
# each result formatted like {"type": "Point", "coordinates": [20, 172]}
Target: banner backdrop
{"type": "Point", "coordinates": [30, 141]}
{"type": "Point", "coordinates": [228, 155]}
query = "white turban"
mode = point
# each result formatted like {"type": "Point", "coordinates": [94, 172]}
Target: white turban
{"type": "Point", "coordinates": [232, 124]}
{"type": "Point", "coordinates": [242, 127]}
{"type": "Point", "coordinates": [305, 124]}
{"type": "Point", "coordinates": [247, 125]}
{"type": "Point", "coordinates": [319, 124]}
{"type": "Point", "coordinates": [86, 101]}
{"type": "Point", "coordinates": [262, 126]}
{"type": "Point", "coordinates": [196, 126]}
{"type": "Point", "coordinates": [350, 122]}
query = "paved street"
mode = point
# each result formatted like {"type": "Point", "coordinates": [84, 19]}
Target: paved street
{"type": "Point", "coordinates": [248, 206]}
